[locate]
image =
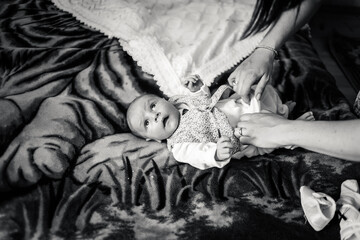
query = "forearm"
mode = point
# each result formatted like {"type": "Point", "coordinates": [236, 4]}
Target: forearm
{"type": "Point", "coordinates": [199, 155]}
{"type": "Point", "coordinates": [289, 22]}
{"type": "Point", "coordinates": [336, 138]}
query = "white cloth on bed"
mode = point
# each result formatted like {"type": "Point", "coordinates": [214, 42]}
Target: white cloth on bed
{"type": "Point", "coordinates": [172, 39]}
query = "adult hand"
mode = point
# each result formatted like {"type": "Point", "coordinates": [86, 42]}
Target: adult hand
{"type": "Point", "coordinates": [261, 130]}
{"type": "Point", "coordinates": [224, 149]}
{"type": "Point", "coordinates": [257, 68]}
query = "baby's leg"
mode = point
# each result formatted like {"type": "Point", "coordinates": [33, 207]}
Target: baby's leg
{"type": "Point", "coordinates": [271, 101]}
{"type": "Point", "coordinates": [308, 116]}
{"type": "Point", "coordinates": [291, 105]}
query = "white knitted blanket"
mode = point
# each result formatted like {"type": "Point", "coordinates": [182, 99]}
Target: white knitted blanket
{"type": "Point", "coordinates": [172, 39]}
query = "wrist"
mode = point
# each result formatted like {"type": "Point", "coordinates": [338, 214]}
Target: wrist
{"type": "Point", "coordinates": [285, 133]}
{"type": "Point", "coordinates": [272, 51]}
{"type": "Point", "coordinates": [271, 44]}
{"type": "Point", "coordinates": [274, 40]}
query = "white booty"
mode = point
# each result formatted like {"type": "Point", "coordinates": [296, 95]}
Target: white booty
{"type": "Point", "coordinates": [349, 193]}
{"type": "Point", "coordinates": [319, 208]}
{"type": "Point", "coordinates": [349, 203]}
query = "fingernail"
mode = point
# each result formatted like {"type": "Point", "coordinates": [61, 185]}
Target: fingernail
{"type": "Point", "coordinates": [258, 96]}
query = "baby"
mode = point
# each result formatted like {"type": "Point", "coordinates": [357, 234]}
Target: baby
{"type": "Point", "coordinates": [199, 128]}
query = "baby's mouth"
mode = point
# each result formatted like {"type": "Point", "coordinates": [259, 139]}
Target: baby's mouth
{"type": "Point", "coordinates": [165, 119]}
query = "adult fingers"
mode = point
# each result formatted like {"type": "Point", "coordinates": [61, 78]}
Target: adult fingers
{"type": "Point", "coordinates": [244, 81]}
{"type": "Point", "coordinates": [261, 86]}
{"type": "Point", "coordinates": [238, 132]}
{"type": "Point", "coordinates": [244, 90]}
{"type": "Point", "coordinates": [246, 140]}
{"type": "Point", "coordinates": [245, 118]}
{"type": "Point", "coordinates": [232, 78]}
{"type": "Point", "coordinates": [235, 80]}
{"type": "Point", "coordinates": [241, 131]}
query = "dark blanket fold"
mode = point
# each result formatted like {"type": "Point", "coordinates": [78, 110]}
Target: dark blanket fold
{"type": "Point", "coordinates": [69, 167]}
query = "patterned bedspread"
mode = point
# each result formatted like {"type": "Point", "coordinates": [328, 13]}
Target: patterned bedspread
{"type": "Point", "coordinates": [69, 169]}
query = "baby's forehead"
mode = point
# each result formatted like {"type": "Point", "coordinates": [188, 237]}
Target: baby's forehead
{"type": "Point", "coordinates": [149, 97]}
{"type": "Point", "coordinates": [140, 102]}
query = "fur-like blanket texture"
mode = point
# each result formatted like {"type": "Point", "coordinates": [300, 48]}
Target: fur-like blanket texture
{"type": "Point", "coordinates": [70, 169]}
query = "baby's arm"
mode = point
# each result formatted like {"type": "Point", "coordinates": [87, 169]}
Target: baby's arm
{"type": "Point", "coordinates": [199, 155]}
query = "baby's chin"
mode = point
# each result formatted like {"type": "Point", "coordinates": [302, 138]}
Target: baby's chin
{"type": "Point", "coordinates": [166, 136]}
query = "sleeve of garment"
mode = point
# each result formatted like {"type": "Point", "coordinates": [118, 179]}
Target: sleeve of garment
{"type": "Point", "coordinates": [204, 90]}
{"type": "Point", "coordinates": [199, 155]}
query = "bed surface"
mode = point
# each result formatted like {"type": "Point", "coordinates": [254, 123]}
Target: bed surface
{"type": "Point", "coordinates": [70, 169]}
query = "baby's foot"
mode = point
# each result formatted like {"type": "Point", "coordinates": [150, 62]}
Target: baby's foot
{"type": "Point", "coordinates": [308, 116]}
{"type": "Point", "coordinates": [290, 105]}
{"type": "Point", "coordinates": [349, 203]}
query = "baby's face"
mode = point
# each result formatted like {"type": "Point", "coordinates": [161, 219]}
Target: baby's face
{"type": "Point", "coordinates": [152, 117]}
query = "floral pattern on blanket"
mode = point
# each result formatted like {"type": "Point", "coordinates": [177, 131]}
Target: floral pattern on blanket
{"type": "Point", "coordinates": [70, 169]}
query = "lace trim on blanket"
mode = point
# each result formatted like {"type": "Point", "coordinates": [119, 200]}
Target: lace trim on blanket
{"type": "Point", "coordinates": [229, 59]}
{"type": "Point", "coordinates": [145, 49]}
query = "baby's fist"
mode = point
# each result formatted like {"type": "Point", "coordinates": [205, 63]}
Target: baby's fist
{"type": "Point", "coordinates": [224, 149]}
{"type": "Point", "coordinates": [193, 83]}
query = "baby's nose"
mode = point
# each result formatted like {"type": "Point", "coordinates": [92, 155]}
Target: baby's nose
{"type": "Point", "coordinates": [157, 116]}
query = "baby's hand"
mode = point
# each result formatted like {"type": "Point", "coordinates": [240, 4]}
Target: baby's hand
{"type": "Point", "coordinates": [193, 83]}
{"type": "Point", "coordinates": [223, 149]}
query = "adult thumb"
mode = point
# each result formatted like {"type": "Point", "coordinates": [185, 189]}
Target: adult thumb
{"type": "Point", "coordinates": [261, 86]}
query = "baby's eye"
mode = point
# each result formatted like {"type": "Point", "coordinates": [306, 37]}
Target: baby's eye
{"type": "Point", "coordinates": [152, 106]}
{"type": "Point", "coordinates": [146, 123]}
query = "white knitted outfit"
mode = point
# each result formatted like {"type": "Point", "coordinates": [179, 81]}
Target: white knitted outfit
{"type": "Point", "coordinates": [202, 122]}
{"type": "Point", "coordinates": [205, 119]}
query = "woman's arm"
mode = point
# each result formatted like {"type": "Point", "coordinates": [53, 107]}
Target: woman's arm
{"type": "Point", "coordinates": [290, 22]}
{"type": "Point", "coordinates": [336, 138]}
{"type": "Point", "coordinates": [257, 68]}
